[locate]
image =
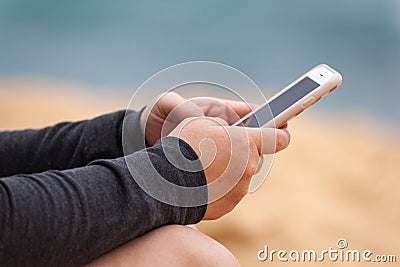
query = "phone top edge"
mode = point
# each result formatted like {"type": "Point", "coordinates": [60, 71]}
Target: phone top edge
{"type": "Point", "coordinates": [336, 73]}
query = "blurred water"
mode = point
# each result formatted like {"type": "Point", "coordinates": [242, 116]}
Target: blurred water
{"type": "Point", "coordinates": [121, 43]}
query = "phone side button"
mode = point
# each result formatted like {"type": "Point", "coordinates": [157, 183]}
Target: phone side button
{"type": "Point", "coordinates": [308, 102]}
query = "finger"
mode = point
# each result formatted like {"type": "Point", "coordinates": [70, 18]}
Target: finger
{"type": "Point", "coordinates": [169, 101]}
{"type": "Point", "coordinates": [181, 107]}
{"type": "Point", "coordinates": [269, 140]}
{"type": "Point", "coordinates": [230, 111]}
{"type": "Point", "coordinates": [240, 108]}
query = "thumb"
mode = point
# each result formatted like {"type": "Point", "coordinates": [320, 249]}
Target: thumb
{"type": "Point", "coordinates": [268, 140]}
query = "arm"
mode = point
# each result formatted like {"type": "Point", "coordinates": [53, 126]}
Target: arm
{"type": "Point", "coordinates": [66, 145]}
{"type": "Point", "coordinates": [68, 218]}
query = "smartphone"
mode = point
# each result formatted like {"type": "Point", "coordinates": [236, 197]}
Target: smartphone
{"type": "Point", "coordinates": [294, 99]}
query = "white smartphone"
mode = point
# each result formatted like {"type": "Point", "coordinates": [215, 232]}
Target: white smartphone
{"type": "Point", "coordinates": [294, 99]}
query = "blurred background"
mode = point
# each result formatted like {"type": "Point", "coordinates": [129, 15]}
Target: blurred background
{"type": "Point", "coordinates": [68, 60]}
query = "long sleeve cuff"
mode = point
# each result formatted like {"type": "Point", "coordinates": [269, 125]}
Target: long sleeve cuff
{"type": "Point", "coordinates": [65, 145]}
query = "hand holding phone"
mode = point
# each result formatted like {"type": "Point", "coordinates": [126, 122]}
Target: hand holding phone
{"type": "Point", "coordinates": [290, 102]}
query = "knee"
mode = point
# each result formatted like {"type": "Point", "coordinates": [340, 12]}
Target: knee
{"type": "Point", "coordinates": [196, 248]}
{"type": "Point", "coordinates": [170, 246]}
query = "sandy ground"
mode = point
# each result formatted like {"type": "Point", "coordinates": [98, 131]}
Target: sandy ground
{"type": "Point", "coordinates": [340, 177]}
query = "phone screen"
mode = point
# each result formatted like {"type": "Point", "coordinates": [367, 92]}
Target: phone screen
{"type": "Point", "coordinates": [276, 106]}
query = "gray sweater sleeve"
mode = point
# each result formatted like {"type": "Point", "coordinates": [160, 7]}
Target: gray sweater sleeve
{"type": "Point", "coordinates": [69, 217]}
{"type": "Point", "coordinates": [67, 145]}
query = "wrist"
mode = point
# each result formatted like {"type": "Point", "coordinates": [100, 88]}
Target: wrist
{"type": "Point", "coordinates": [132, 135]}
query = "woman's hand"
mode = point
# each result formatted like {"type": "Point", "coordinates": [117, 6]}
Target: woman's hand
{"type": "Point", "coordinates": [167, 111]}
{"type": "Point", "coordinates": [230, 157]}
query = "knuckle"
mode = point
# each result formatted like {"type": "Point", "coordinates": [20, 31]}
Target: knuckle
{"type": "Point", "coordinates": [243, 191]}
{"type": "Point", "coordinates": [253, 149]}
{"type": "Point", "coordinates": [253, 161]}
{"type": "Point", "coordinates": [235, 200]}
{"type": "Point", "coordinates": [252, 167]}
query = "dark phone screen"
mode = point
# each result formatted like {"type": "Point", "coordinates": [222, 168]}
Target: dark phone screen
{"type": "Point", "coordinates": [282, 102]}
